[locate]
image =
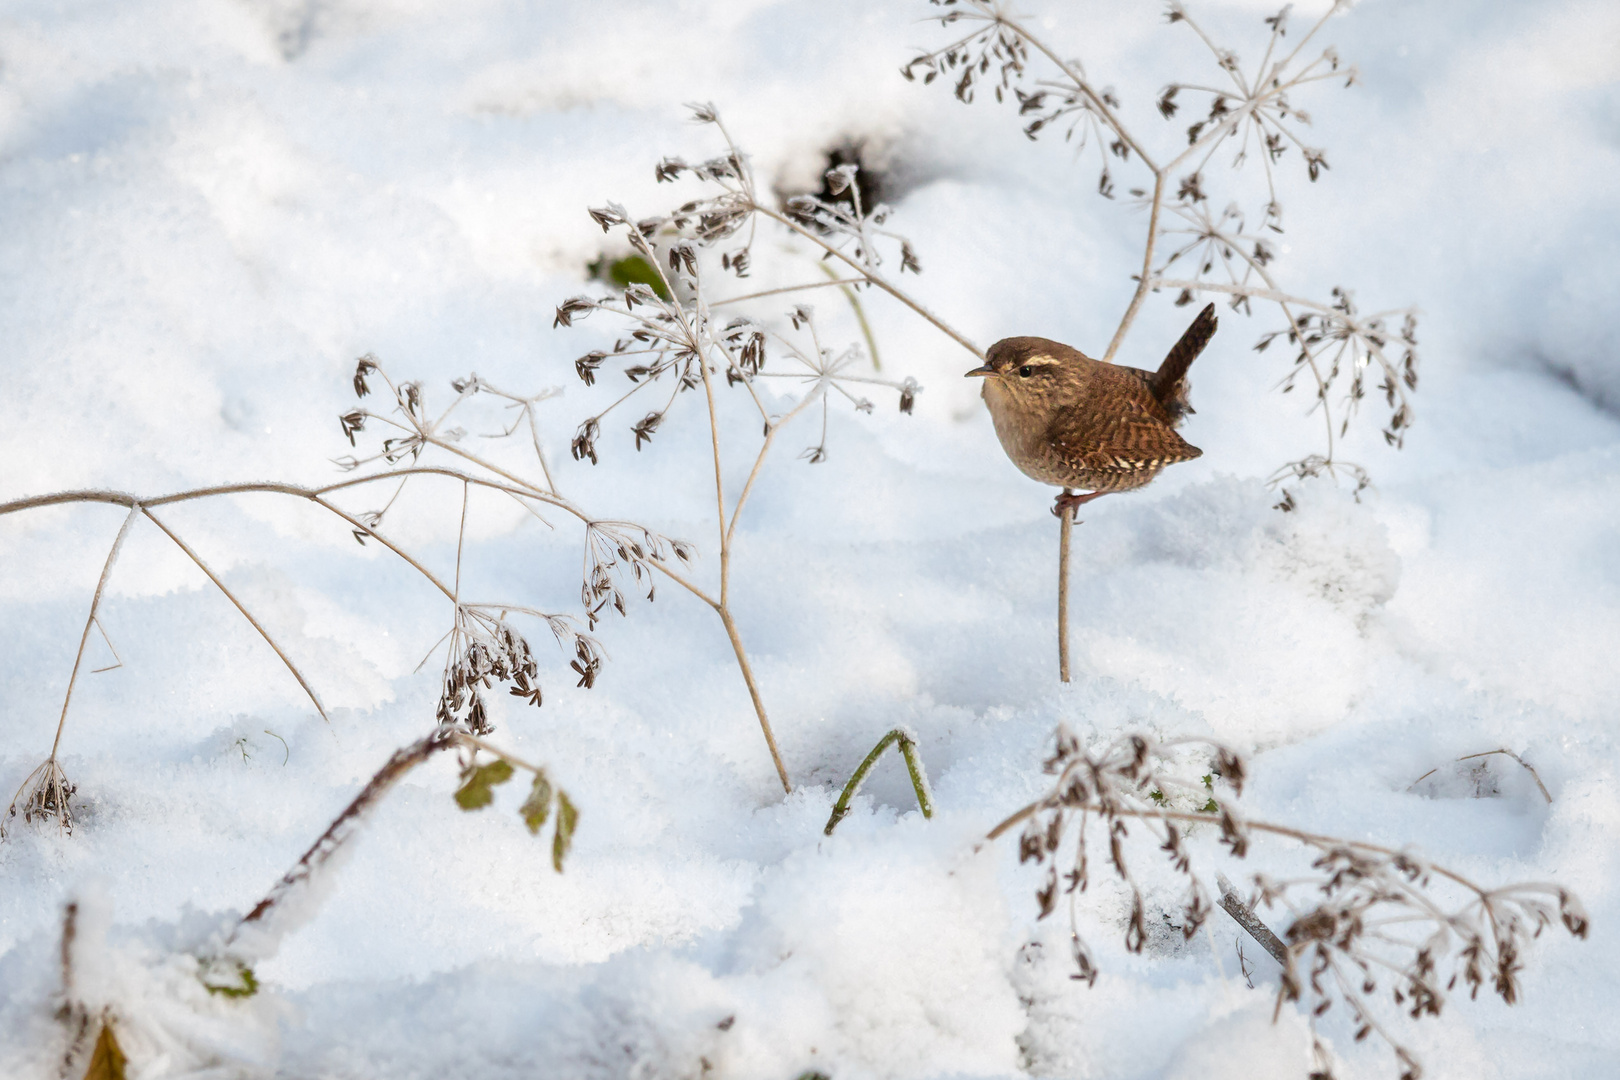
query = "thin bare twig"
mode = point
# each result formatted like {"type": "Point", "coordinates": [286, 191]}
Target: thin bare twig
{"type": "Point", "coordinates": [90, 620]}
{"type": "Point", "coordinates": [246, 614]}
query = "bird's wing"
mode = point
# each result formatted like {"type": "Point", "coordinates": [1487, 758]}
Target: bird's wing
{"type": "Point", "coordinates": [1121, 428]}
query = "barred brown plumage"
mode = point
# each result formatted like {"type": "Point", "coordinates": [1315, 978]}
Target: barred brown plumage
{"type": "Point", "coordinates": [1066, 419]}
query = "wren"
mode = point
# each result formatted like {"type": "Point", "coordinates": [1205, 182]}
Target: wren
{"type": "Point", "coordinates": [1066, 419]}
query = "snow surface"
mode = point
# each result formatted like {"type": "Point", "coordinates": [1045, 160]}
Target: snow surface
{"type": "Point", "coordinates": [211, 207]}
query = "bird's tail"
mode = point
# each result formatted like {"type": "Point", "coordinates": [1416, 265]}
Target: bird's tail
{"type": "Point", "coordinates": [1169, 383]}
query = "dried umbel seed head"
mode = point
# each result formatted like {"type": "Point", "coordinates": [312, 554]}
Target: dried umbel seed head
{"type": "Point", "coordinates": [1363, 918]}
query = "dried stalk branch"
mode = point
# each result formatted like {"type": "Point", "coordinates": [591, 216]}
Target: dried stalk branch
{"type": "Point", "coordinates": [45, 792]}
{"type": "Point", "coordinates": [484, 646]}
{"type": "Point", "coordinates": [473, 794]}
{"type": "Point", "coordinates": [90, 620]}
{"type": "Point", "coordinates": [1525, 765]}
{"type": "Point", "coordinates": [1364, 913]}
{"type": "Point", "coordinates": [675, 338]}
{"type": "Point", "coordinates": [996, 50]}
{"type": "Point", "coordinates": [246, 614]}
{"type": "Point", "coordinates": [1245, 917]}
{"type": "Point", "coordinates": [1065, 533]}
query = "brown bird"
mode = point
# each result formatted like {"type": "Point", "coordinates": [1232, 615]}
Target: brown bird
{"type": "Point", "coordinates": [1069, 420]}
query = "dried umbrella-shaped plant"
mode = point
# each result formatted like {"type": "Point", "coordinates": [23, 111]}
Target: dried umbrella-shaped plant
{"type": "Point", "coordinates": [676, 337]}
{"type": "Point", "coordinates": [485, 646]}
{"type": "Point", "coordinates": [1252, 114]}
{"type": "Point", "coordinates": [1364, 917]}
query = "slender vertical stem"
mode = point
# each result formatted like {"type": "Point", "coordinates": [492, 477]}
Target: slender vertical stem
{"type": "Point", "coordinates": [90, 620]}
{"type": "Point", "coordinates": [1065, 530]}
{"type": "Point", "coordinates": [860, 315]}
{"type": "Point", "coordinates": [719, 484]}
{"type": "Point", "coordinates": [723, 608]}
{"type": "Point", "coordinates": [753, 693]}
{"type": "Point", "coordinates": [534, 435]}
{"type": "Point", "coordinates": [1146, 280]}
{"type": "Point", "coordinates": [461, 538]}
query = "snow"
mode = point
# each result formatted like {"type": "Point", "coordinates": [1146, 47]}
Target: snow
{"type": "Point", "coordinates": [212, 207]}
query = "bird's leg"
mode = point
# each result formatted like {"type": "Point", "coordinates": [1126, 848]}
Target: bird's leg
{"type": "Point", "coordinates": [1071, 500]}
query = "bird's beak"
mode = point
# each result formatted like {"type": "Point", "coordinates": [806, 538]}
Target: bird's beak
{"type": "Point", "coordinates": [984, 369]}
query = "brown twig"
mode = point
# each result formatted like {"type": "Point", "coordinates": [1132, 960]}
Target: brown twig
{"type": "Point", "coordinates": [90, 620]}
{"type": "Point", "coordinates": [1487, 753]}
{"type": "Point", "coordinates": [1065, 531]}
{"type": "Point", "coordinates": [343, 826]}
{"type": "Point", "coordinates": [1245, 917]}
{"type": "Point", "coordinates": [246, 614]}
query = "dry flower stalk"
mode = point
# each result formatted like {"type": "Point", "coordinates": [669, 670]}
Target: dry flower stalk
{"type": "Point", "coordinates": [472, 795]}
{"type": "Point", "coordinates": [1250, 112]}
{"type": "Point", "coordinates": [1364, 916]}
{"type": "Point", "coordinates": [484, 645]}
{"type": "Point", "coordinates": [674, 338]}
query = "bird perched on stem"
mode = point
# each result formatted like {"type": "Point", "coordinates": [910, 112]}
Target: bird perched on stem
{"type": "Point", "coordinates": [1069, 420]}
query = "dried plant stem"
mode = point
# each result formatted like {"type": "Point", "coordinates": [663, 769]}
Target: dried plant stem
{"type": "Point", "coordinates": [1245, 291]}
{"type": "Point", "coordinates": [1488, 753]}
{"type": "Point", "coordinates": [875, 278]}
{"type": "Point", "coordinates": [314, 495]}
{"type": "Point", "coordinates": [914, 767]}
{"type": "Point", "coordinates": [860, 314]}
{"type": "Point", "coordinates": [1523, 763]}
{"type": "Point", "coordinates": [401, 762]}
{"type": "Point", "coordinates": [1245, 917]}
{"type": "Point", "coordinates": [1146, 281]}
{"type": "Point", "coordinates": [1314, 839]}
{"type": "Point", "coordinates": [48, 786]}
{"type": "Point", "coordinates": [1065, 533]}
{"type": "Point", "coordinates": [246, 614]}
{"type": "Point", "coordinates": [90, 620]}
{"type": "Point", "coordinates": [726, 528]}
{"type": "Point", "coordinates": [753, 695]}
{"type": "Point", "coordinates": [834, 280]}
{"type": "Point", "coordinates": [139, 506]}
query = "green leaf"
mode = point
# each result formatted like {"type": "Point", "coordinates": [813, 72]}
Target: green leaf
{"type": "Point", "coordinates": [107, 1060]}
{"type": "Point", "coordinates": [476, 781]}
{"type": "Point", "coordinates": [563, 838]}
{"type": "Point", "coordinates": [537, 807]}
{"type": "Point", "coordinates": [630, 270]}
{"type": "Point", "coordinates": [229, 978]}
{"type": "Point", "coordinates": [1210, 807]}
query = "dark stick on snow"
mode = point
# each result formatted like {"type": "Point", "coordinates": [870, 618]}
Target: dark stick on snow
{"type": "Point", "coordinates": [1234, 906]}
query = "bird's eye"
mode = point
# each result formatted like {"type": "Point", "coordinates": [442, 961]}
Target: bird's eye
{"type": "Point", "coordinates": [1025, 372]}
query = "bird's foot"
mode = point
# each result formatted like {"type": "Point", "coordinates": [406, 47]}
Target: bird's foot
{"type": "Point", "coordinates": [1071, 501]}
